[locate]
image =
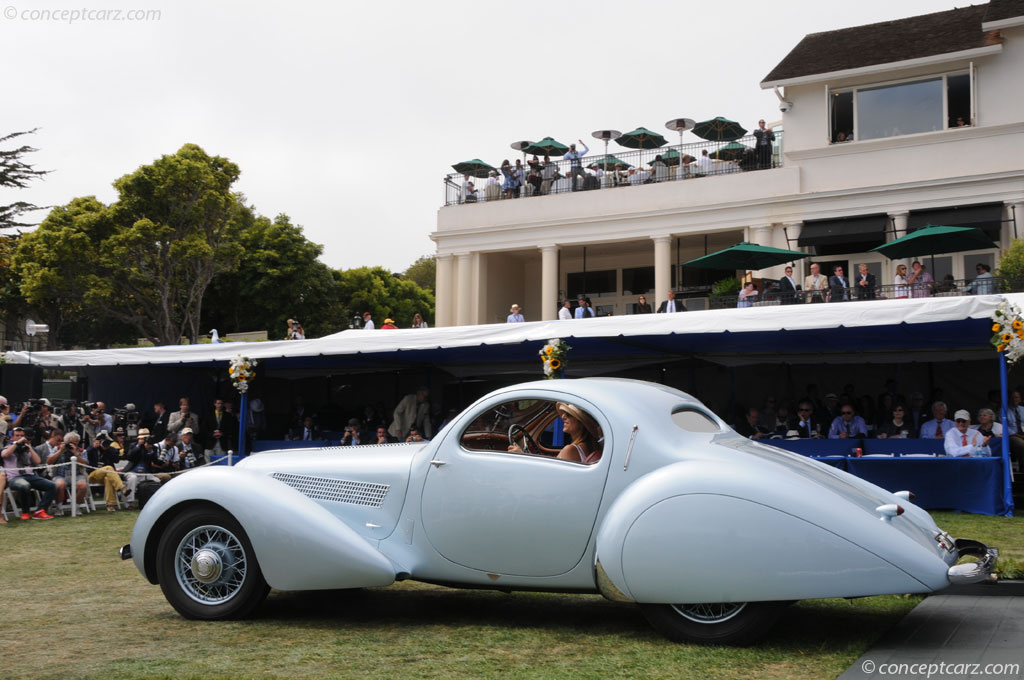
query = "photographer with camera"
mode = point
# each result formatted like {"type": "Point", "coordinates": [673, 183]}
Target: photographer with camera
{"type": "Point", "coordinates": [167, 458]}
{"type": "Point", "coordinates": [105, 458]}
{"type": "Point", "coordinates": [47, 420]}
{"type": "Point", "coordinates": [190, 454]}
{"type": "Point", "coordinates": [62, 449]}
{"type": "Point", "coordinates": [139, 467]}
{"type": "Point", "coordinates": [18, 458]}
{"type": "Point", "coordinates": [351, 437]}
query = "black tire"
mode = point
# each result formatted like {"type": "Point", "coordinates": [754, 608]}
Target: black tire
{"type": "Point", "coordinates": [207, 568]}
{"type": "Point", "coordinates": [726, 623]}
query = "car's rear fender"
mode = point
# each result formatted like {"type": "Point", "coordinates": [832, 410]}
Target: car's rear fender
{"type": "Point", "coordinates": [298, 543]}
{"type": "Point", "coordinates": [704, 532]}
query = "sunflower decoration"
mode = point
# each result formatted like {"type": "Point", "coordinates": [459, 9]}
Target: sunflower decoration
{"type": "Point", "coordinates": [553, 356]}
{"type": "Point", "coordinates": [242, 370]}
{"type": "Point", "coordinates": [1008, 331]}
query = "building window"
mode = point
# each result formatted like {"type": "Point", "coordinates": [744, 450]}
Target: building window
{"type": "Point", "coordinates": [638, 281]}
{"type": "Point", "coordinates": [592, 284]}
{"type": "Point", "coordinates": [904, 108]}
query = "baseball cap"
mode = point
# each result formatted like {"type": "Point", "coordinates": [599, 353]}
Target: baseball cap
{"type": "Point", "coordinates": [962, 414]}
{"type": "Point", "coordinates": [186, 430]}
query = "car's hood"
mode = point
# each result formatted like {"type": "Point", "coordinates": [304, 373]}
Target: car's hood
{"type": "Point", "coordinates": [364, 486]}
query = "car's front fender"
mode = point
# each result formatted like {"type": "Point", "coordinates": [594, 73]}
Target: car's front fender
{"type": "Point", "coordinates": [704, 532]}
{"type": "Point", "coordinates": [299, 544]}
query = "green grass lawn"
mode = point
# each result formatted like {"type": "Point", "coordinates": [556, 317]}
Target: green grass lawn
{"type": "Point", "coordinates": [71, 608]}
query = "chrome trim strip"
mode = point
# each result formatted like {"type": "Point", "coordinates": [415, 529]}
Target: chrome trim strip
{"type": "Point", "coordinates": [629, 447]}
{"type": "Point", "coordinates": [607, 588]}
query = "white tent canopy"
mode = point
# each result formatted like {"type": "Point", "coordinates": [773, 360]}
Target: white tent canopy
{"type": "Point", "coordinates": [884, 326]}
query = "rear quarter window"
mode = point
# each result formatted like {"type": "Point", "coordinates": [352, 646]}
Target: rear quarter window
{"type": "Point", "coordinates": [692, 420]}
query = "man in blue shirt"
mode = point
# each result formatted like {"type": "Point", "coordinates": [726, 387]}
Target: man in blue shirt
{"type": "Point", "coordinates": [575, 161]}
{"type": "Point", "coordinates": [939, 425]}
{"type": "Point", "coordinates": [847, 425]}
{"type": "Point", "coordinates": [515, 316]}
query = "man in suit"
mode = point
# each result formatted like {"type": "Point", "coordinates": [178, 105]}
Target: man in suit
{"type": "Point", "coordinates": [183, 418]}
{"type": "Point", "coordinates": [837, 286]}
{"type": "Point", "coordinates": [671, 304]}
{"type": "Point", "coordinates": [816, 283]}
{"type": "Point", "coordinates": [804, 422]}
{"type": "Point", "coordinates": [865, 283]}
{"type": "Point", "coordinates": [158, 424]}
{"type": "Point", "coordinates": [788, 287]}
{"type": "Point", "coordinates": [222, 422]}
{"type": "Point", "coordinates": [307, 432]}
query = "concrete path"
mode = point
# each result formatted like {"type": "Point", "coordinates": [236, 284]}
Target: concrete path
{"type": "Point", "coordinates": [974, 631]}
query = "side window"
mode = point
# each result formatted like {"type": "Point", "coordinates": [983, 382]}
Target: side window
{"type": "Point", "coordinates": [489, 431]}
{"type": "Point", "coordinates": [536, 427]}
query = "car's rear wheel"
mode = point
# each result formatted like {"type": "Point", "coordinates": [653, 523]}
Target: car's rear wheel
{"type": "Point", "coordinates": [207, 568]}
{"type": "Point", "coordinates": [713, 623]}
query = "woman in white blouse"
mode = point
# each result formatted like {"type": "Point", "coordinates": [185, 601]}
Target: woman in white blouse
{"type": "Point", "coordinates": [900, 280]}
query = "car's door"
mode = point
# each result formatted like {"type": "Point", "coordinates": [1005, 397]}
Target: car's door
{"type": "Point", "coordinates": [510, 513]}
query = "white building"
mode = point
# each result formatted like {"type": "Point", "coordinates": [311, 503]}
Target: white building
{"type": "Point", "coordinates": [896, 89]}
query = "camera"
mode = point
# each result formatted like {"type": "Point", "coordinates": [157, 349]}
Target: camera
{"type": "Point", "coordinates": [785, 106]}
{"type": "Point", "coordinates": [88, 405]}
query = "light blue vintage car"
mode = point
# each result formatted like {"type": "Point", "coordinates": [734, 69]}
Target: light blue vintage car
{"type": "Point", "coordinates": [710, 533]}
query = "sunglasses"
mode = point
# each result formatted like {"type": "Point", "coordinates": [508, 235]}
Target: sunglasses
{"type": "Point", "coordinates": [804, 410]}
{"type": "Point", "coordinates": [847, 413]}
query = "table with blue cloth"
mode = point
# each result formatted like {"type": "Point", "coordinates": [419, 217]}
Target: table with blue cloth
{"type": "Point", "coordinates": [938, 482]}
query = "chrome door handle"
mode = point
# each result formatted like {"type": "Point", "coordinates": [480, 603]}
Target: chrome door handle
{"type": "Point", "coordinates": [437, 463]}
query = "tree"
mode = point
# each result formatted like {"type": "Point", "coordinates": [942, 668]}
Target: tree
{"type": "Point", "coordinates": [16, 173]}
{"type": "Point", "coordinates": [60, 270]}
{"type": "Point", "coordinates": [380, 292]}
{"type": "Point", "coordinates": [278, 277]}
{"type": "Point", "coordinates": [1011, 264]}
{"type": "Point", "coordinates": [177, 224]}
{"type": "Point", "coordinates": [423, 272]}
{"type": "Point", "coordinates": [12, 304]}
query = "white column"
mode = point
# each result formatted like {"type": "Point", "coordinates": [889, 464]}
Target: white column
{"type": "Point", "coordinates": [761, 234]}
{"type": "Point", "coordinates": [662, 268]}
{"type": "Point", "coordinates": [477, 290]}
{"type": "Point", "coordinates": [899, 224]}
{"type": "Point", "coordinates": [443, 310]}
{"type": "Point", "coordinates": [463, 289]}
{"type": "Point", "coordinates": [548, 283]}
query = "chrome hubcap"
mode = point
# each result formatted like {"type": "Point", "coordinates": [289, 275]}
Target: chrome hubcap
{"type": "Point", "coordinates": [709, 612]}
{"type": "Point", "coordinates": [210, 565]}
{"type": "Point", "coordinates": [206, 566]}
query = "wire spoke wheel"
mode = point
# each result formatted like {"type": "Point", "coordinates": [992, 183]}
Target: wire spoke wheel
{"type": "Point", "coordinates": [210, 565]}
{"type": "Point", "coordinates": [709, 612]}
{"type": "Point", "coordinates": [713, 623]}
{"type": "Point", "coordinates": [207, 568]}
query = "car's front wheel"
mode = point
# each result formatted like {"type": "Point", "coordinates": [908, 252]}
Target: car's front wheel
{"type": "Point", "coordinates": [207, 568]}
{"type": "Point", "coordinates": [714, 623]}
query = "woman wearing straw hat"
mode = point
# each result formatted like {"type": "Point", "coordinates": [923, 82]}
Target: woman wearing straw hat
{"type": "Point", "coordinates": [583, 432]}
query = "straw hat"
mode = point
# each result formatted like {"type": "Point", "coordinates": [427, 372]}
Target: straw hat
{"type": "Point", "coordinates": [582, 416]}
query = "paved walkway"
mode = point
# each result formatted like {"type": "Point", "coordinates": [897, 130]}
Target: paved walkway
{"type": "Point", "coordinates": [974, 631]}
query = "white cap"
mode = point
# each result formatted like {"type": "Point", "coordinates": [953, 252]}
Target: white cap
{"type": "Point", "coordinates": [3, 399]}
{"type": "Point", "coordinates": [186, 430]}
{"type": "Point", "coordinates": [44, 401]}
{"type": "Point", "coordinates": [962, 414]}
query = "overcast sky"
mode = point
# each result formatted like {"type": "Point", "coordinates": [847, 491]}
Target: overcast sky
{"type": "Point", "coordinates": [347, 115]}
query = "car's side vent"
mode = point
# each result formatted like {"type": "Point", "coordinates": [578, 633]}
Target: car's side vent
{"type": "Point", "coordinates": [336, 490]}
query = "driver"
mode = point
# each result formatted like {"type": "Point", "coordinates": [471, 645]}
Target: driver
{"type": "Point", "coordinates": [583, 433]}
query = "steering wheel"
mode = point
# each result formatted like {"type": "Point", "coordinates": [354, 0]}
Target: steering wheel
{"type": "Point", "coordinates": [517, 431]}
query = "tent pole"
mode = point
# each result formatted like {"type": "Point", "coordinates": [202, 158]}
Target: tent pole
{"type": "Point", "coordinates": [243, 408]}
{"type": "Point", "coordinates": [1007, 470]}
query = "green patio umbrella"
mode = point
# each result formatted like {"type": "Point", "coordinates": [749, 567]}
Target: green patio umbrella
{"type": "Point", "coordinates": [547, 147]}
{"type": "Point", "coordinates": [672, 157]}
{"type": "Point", "coordinates": [719, 130]}
{"type": "Point", "coordinates": [935, 240]}
{"type": "Point", "coordinates": [608, 163]}
{"type": "Point", "coordinates": [474, 168]}
{"type": "Point", "coordinates": [641, 138]}
{"type": "Point", "coordinates": [746, 256]}
{"type": "Point", "coordinates": [730, 152]}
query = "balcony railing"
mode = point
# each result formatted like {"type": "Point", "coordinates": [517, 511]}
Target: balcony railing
{"type": "Point", "coordinates": [617, 170]}
{"type": "Point", "coordinates": [946, 288]}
